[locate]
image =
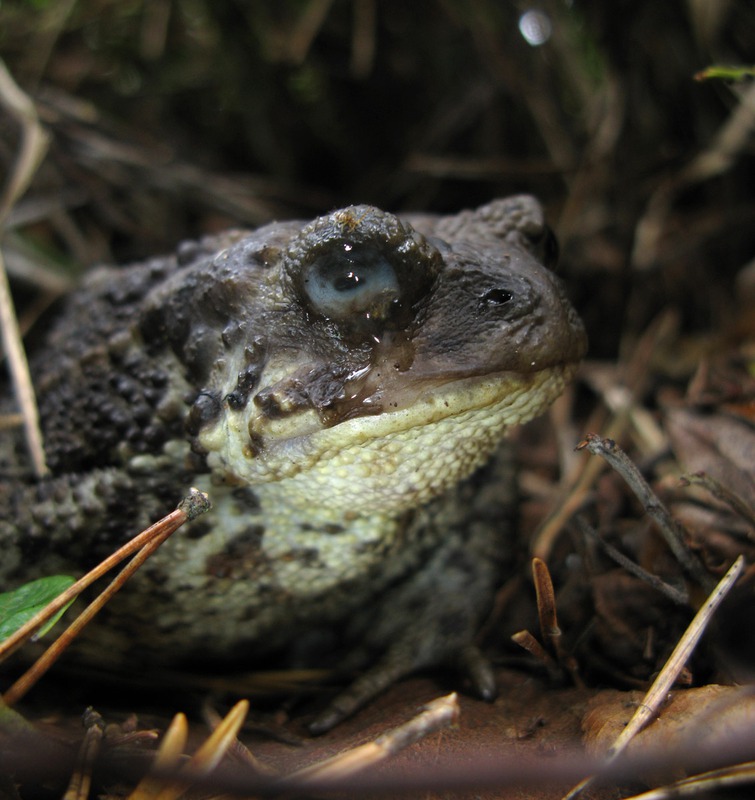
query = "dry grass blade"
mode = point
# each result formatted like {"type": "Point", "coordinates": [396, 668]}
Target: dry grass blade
{"type": "Point", "coordinates": [724, 149]}
{"type": "Point", "coordinates": [207, 757]}
{"type": "Point", "coordinates": [546, 601]}
{"type": "Point", "coordinates": [667, 676]}
{"type": "Point", "coordinates": [549, 627]}
{"type": "Point", "coordinates": [436, 715]}
{"type": "Point", "coordinates": [238, 749]}
{"type": "Point", "coordinates": [168, 759]}
{"type": "Point", "coordinates": [651, 703]}
{"type": "Point", "coordinates": [718, 490]}
{"type": "Point", "coordinates": [363, 39]}
{"type": "Point", "coordinates": [196, 503]}
{"type": "Point", "coordinates": [34, 140]}
{"type": "Point", "coordinates": [527, 641]}
{"type": "Point", "coordinates": [33, 147]}
{"type": "Point", "coordinates": [548, 615]}
{"type": "Point", "coordinates": [220, 740]}
{"type": "Point", "coordinates": [307, 28]}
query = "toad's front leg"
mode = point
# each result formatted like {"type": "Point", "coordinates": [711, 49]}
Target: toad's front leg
{"type": "Point", "coordinates": [428, 619]}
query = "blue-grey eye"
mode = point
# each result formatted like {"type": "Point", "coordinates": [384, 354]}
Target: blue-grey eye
{"type": "Point", "coordinates": [359, 272]}
{"type": "Point", "coordinates": [352, 281]}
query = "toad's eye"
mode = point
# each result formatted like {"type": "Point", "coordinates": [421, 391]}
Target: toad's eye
{"type": "Point", "coordinates": [358, 273]}
{"type": "Point", "coordinates": [352, 281]}
{"type": "Point", "coordinates": [545, 246]}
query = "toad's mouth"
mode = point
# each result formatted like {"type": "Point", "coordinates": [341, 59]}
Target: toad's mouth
{"type": "Point", "coordinates": [511, 397]}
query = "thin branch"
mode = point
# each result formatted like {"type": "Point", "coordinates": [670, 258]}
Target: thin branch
{"type": "Point", "coordinates": [649, 708]}
{"type": "Point", "coordinates": [635, 379]}
{"type": "Point", "coordinates": [670, 529]}
{"type": "Point", "coordinates": [727, 145]}
{"type": "Point", "coordinates": [673, 594]}
{"type": "Point", "coordinates": [81, 780]}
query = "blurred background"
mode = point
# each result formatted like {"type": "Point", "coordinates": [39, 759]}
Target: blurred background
{"type": "Point", "coordinates": [170, 119]}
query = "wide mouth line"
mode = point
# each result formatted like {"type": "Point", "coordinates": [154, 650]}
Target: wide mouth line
{"type": "Point", "coordinates": [364, 428]}
{"type": "Point", "coordinates": [444, 394]}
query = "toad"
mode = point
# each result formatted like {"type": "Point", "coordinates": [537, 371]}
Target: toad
{"type": "Point", "coordinates": [340, 388]}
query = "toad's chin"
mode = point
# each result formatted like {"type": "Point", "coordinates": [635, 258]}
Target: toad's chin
{"type": "Point", "coordinates": [389, 461]}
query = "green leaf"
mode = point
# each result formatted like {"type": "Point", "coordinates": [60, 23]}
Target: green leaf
{"type": "Point", "coordinates": [725, 73]}
{"type": "Point", "coordinates": [21, 604]}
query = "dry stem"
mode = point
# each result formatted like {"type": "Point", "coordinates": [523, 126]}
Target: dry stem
{"type": "Point", "coordinates": [658, 692]}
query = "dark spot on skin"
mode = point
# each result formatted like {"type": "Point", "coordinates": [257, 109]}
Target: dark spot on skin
{"type": "Point", "coordinates": [416, 606]}
{"type": "Point", "coordinates": [251, 535]}
{"type": "Point", "coordinates": [199, 352]}
{"type": "Point", "coordinates": [205, 409]}
{"type": "Point", "coordinates": [332, 528]}
{"type": "Point", "coordinates": [198, 530]}
{"type": "Point", "coordinates": [247, 498]}
{"type": "Point", "coordinates": [239, 557]}
{"type": "Point", "coordinates": [170, 628]}
{"type": "Point", "coordinates": [308, 556]}
{"type": "Point", "coordinates": [256, 443]}
{"type": "Point", "coordinates": [220, 565]}
{"type": "Point", "coordinates": [453, 624]}
{"type": "Point", "coordinates": [246, 383]}
{"type": "Point", "coordinates": [156, 575]}
{"type": "Point", "coordinates": [267, 401]}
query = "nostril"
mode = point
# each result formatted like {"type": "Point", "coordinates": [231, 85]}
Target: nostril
{"type": "Point", "coordinates": [496, 297]}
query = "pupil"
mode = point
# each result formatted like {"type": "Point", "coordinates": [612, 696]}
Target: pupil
{"type": "Point", "coordinates": [347, 282]}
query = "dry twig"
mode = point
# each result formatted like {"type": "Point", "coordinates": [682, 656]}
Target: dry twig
{"type": "Point", "coordinates": [437, 714]}
{"type": "Point", "coordinates": [677, 597]}
{"type": "Point", "coordinates": [729, 143]}
{"type": "Point", "coordinates": [635, 374]}
{"type": "Point", "coordinates": [723, 493]}
{"type": "Point", "coordinates": [670, 529]}
{"type": "Point", "coordinates": [656, 695]}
